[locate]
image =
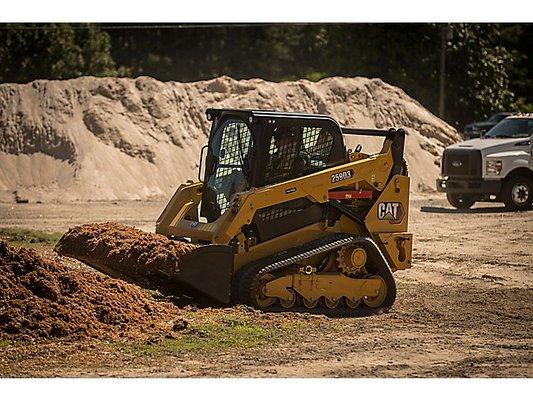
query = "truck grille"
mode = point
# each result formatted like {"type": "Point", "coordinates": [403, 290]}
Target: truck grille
{"type": "Point", "coordinates": [461, 163]}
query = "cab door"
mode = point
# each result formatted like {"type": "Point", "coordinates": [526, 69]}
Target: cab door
{"type": "Point", "coordinates": [228, 170]}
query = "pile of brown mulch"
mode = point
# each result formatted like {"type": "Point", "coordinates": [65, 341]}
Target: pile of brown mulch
{"type": "Point", "coordinates": [41, 298]}
{"type": "Point", "coordinates": [124, 252]}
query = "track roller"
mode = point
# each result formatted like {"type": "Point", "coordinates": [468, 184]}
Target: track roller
{"type": "Point", "coordinates": [352, 303]}
{"type": "Point", "coordinates": [290, 302]}
{"type": "Point", "coordinates": [309, 304]}
{"type": "Point", "coordinates": [331, 303]}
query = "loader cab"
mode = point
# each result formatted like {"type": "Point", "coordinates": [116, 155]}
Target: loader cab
{"type": "Point", "coordinates": [249, 148]}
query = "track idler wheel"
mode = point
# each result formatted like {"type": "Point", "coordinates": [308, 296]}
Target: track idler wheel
{"type": "Point", "coordinates": [261, 299]}
{"type": "Point", "coordinates": [380, 299]}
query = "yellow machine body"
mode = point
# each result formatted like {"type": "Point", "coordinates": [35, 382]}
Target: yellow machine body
{"type": "Point", "coordinates": [180, 216]}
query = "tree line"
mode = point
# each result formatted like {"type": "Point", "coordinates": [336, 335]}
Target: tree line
{"type": "Point", "coordinates": [487, 66]}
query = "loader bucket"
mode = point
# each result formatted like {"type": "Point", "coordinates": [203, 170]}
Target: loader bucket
{"type": "Point", "coordinates": [150, 260]}
{"type": "Point", "coordinates": [207, 269]}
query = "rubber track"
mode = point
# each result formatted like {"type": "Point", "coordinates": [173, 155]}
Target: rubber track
{"type": "Point", "coordinates": [245, 281]}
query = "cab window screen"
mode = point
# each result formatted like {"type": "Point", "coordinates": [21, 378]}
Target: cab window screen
{"type": "Point", "coordinates": [297, 151]}
{"type": "Point", "coordinates": [318, 143]}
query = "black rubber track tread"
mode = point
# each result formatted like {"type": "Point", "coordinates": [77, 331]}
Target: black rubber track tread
{"type": "Point", "coordinates": [405, 168]}
{"type": "Point", "coordinates": [295, 251]}
{"type": "Point", "coordinates": [382, 269]}
{"type": "Point", "coordinates": [249, 283]}
{"type": "Point", "coordinates": [243, 282]}
{"type": "Point", "coordinates": [246, 279]}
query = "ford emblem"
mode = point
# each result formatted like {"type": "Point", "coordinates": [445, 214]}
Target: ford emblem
{"type": "Point", "coordinates": [457, 164]}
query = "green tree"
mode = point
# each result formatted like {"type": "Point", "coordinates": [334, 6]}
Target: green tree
{"type": "Point", "coordinates": [53, 51]}
{"type": "Point", "coordinates": [487, 64]}
{"type": "Point", "coordinates": [478, 72]}
{"type": "Point", "coordinates": [478, 78]}
{"type": "Point", "coordinates": [517, 38]}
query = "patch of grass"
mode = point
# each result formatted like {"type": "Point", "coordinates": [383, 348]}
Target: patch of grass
{"type": "Point", "coordinates": [293, 325]}
{"type": "Point", "coordinates": [220, 335]}
{"type": "Point", "coordinates": [6, 343]}
{"type": "Point", "coordinates": [29, 238]}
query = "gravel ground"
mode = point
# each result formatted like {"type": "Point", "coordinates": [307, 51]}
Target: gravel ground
{"type": "Point", "coordinates": [464, 309]}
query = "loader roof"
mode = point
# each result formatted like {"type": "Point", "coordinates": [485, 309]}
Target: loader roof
{"type": "Point", "coordinates": [246, 114]}
{"type": "Point", "coordinates": [266, 114]}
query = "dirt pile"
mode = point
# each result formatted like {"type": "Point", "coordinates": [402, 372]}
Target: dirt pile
{"type": "Point", "coordinates": [124, 252]}
{"type": "Point", "coordinates": [117, 138]}
{"type": "Point", "coordinates": [41, 298]}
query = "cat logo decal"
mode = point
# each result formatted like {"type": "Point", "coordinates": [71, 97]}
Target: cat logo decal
{"type": "Point", "coordinates": [391, 211]}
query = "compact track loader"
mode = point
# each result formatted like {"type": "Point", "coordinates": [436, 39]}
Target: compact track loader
{"type": "Point", "coordinates": [285, 217]}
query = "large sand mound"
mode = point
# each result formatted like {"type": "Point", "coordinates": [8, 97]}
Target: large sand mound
{"type": "Point", "coordinates": [117, 138]}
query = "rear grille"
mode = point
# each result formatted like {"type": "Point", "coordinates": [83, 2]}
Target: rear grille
{"type": "Point", "coordinates": [464, 163]}
{"type": "Point", "coordinates": [269, 214]}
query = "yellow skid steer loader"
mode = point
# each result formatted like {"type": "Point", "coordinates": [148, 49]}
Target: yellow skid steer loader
{"type": "Point", "coordinates": [286, 217]}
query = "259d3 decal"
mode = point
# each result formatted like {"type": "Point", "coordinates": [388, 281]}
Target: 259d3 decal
{"type": "Point", "coordinates": [341, 176]}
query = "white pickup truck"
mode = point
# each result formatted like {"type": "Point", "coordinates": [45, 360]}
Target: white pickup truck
{"type": "Point", "coordinates": [497, 167]}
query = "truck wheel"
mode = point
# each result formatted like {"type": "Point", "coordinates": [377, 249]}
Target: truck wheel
{"type": "Point", "coordinates": [460, 200]}
{"type": "Point", "coordinates": [517, 193]}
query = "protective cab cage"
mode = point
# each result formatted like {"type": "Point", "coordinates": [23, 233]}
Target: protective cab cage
{"type": "Point", "coordinates": [256, 148]}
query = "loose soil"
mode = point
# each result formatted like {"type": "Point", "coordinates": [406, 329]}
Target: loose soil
{"type": "Point", "coordinates": [463, 310]}
{"type": "Point", "coordinates": [125, 252]}
{"type": "Point", "coordinates": [41, 298]}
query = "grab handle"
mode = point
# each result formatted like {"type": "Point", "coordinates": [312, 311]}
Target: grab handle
{"type": "Point", "coordinates": [200, 163]}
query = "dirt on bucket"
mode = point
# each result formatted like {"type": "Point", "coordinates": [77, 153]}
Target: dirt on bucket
{"type": "Point", "coordinates": [42, 298]}
{"type": "Point", "coordinates": [124, 252]}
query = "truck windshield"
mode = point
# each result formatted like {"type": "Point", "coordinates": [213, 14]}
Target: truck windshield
{"type": "Point", "coordinates": [512, 128]}
{"type": "Point", "coordinates": [498, 117]}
